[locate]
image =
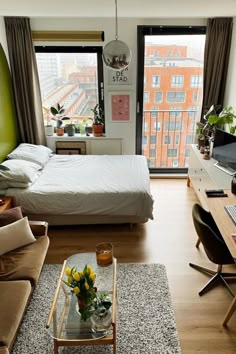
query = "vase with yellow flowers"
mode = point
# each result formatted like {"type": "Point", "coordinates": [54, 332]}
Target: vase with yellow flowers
{"type": "Point", "coordinates": [81, 284]}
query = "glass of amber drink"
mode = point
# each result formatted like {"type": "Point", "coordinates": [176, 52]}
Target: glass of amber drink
{"type": "Point", "coordinates": [104, 254]}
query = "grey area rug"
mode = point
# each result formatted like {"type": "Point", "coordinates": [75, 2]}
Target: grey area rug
{"type": "Point", "coordinates": [145, 319]}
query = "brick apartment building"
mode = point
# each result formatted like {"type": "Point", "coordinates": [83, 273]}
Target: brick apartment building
{"type": "Point", "coordinates": [173, 84]}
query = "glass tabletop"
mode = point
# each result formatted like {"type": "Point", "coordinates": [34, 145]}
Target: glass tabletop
{"type": "Point", "coordinates": [64, 322]}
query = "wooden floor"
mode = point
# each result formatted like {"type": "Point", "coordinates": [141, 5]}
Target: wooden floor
{"type": "Point", "coordinates": [168, 239]}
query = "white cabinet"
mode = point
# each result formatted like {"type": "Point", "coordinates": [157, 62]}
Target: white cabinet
{"type": "Point", "coordinates": [204, 175]}
{"type": "Point", "coordinates": [93, 145]}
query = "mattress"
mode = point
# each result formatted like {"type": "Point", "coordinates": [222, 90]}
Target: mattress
{"type": "Point", "coordinates": [115, 185]}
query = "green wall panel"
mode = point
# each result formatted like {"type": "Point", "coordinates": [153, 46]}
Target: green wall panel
{"type": "Point", "coordinates": [8, 127]}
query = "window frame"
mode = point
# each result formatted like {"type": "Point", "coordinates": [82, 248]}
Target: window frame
{"type": "Point", "coordinates": [80, 49]}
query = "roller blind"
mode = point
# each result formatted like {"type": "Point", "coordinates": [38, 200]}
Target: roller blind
{"type": "Point", "coordinates": [68, 36]}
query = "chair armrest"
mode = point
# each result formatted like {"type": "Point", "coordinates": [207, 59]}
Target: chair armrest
{"type": "Point", "coordinates": [39, 228]}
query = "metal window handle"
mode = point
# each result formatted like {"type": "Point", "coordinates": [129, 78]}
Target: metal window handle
{"type": "Point", "coordinates": [138, 107]}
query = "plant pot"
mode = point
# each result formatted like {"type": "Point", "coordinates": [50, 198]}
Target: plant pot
{"type": "Point", "coordinates": [60, 131]}
{"type": "Point", "coordinates": [49, 130]}
{"type": "Point", "coordinates": [98, 129]}
{"type": "Point", "coordinates": [70, 129]}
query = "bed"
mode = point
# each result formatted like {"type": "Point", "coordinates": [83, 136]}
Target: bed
{"type": "Point", "coordinates": [78, 189]}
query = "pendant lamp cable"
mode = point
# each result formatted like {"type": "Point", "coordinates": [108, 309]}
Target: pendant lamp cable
{"type": "Point", "coordinates": [116, 20]}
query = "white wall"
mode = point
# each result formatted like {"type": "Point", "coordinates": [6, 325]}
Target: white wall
{"type": "Point", "coordinates": [127, 31]}
{"type": "Point", "coordinates": [3, 39]}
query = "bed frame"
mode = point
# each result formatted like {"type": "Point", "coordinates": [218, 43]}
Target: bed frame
{"type": "Point", "coordinates": [88, 219]}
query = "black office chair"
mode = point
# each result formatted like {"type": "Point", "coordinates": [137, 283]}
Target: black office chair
{"type": "Point", "coordinates": [215, 248]}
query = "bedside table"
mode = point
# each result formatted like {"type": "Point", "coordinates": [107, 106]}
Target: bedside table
{"type": "Point", "coordinates": [8, 203]}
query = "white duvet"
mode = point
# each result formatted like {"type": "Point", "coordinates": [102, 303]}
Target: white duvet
{"type": "Point", "coordinates": [89, 185]}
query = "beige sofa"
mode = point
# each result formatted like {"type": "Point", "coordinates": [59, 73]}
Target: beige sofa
{"type": "Point", "coordinates": [19, 273]}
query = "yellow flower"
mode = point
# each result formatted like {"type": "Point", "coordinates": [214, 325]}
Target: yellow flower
{"type": "Point", "coordinates": [76, 276]}
{"type": "Point", "coordinates": [81, 274]}
{"type": "Point", "coordinates": [69, 279]}
{"type": "Point", "coordinates": [76, 290]}
{"type": "Point", "coordinates": [86, 285]}
{"type": "Point", "coordinates": [92, 276]}
{"type": "Point", "coordinates": [68, 271]}
{"type": "Point", "coordinates": [89, 269]}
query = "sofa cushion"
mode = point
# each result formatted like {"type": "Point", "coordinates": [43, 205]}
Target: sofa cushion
{"type": "Point", "coordinates": [14, 299]}
{"type": "Point", "coordinates": [24, 263]}
{"type": "Point", "coordinates": [10, 215]}
{"type": "Point", "coordinates": [15, 235]}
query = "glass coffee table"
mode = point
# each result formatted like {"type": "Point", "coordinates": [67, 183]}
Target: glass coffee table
{"type": "Point", "coordinates": [64, 324]}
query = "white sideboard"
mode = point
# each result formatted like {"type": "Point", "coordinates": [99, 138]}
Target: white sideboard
{"type": "Point", "coordinates": [202, 174]}
{"type": "Point", "coordinates": [94, 145]}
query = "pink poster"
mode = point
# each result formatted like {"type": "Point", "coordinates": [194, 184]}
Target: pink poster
{"type": "Point", "coordinates": [120, 107]}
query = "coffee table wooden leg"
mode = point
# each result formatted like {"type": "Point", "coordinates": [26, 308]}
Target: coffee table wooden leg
{"type": "Point", "coordinates": [56, 347]}
{"type": "Point", "coordinates": [114, 338]}
{"type": "Point", "coordinates": [230, 311]}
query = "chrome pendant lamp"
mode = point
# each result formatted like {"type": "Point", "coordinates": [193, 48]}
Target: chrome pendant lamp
{"type": "Point", "coordinates": [116, 54]}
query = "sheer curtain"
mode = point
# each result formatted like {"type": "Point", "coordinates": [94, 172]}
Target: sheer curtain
{"type": "Point", "coordinates": [25, 81]}
{"type": "Point", "coordinates": [216, 59]}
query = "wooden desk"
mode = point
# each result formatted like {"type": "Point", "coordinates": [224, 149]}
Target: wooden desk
{"type": "Point", "coordinates": [204, 175]}
{"type": "Point", "coordinates": [222, 219]}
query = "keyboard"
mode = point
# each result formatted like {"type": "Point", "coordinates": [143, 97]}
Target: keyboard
{"type": "Point", "coordinates": [231, 210]}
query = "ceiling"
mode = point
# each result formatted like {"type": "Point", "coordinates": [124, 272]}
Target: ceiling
{"type": "Point", "coordinates": [126, 8]}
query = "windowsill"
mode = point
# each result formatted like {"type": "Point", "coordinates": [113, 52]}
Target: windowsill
{"type": "Point", "coordinates": [76, 136]}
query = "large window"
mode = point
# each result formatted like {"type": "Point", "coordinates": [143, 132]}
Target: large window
{"type": "Point", "coordinates": [174, 82]}
{"type": "Point", "coordinates": [72, 77]}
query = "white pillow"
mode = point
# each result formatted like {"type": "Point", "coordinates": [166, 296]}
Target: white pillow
{"type": "Point", "coordinates": [34, 153]}
{"type": "Point", "coordinates": [15, 235]}
{"type": "Point", "coordinates": [13, 184]}
{"type": "Point", "coordinates": [19, 171]}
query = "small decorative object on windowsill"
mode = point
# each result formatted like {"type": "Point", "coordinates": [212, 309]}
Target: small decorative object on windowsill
{"type": "Point", "coordinates": [70, 129]}
{"type": "Point", "coordinates": [206, 155]}
{"type": "Point", "coordinates": [98, 120]}
{"type": "Point", "coordinates": [82, 285]}
{"type": "Point", "coordinates": [59, 117]}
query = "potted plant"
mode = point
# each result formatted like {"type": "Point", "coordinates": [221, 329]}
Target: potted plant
{"type": "Point", "coordinates": [59, 117]}
{"type": "Point", "coordinates": [225, 117]}
{"type": "Point", "coordinates": [201, 134]}
{"type": "Point", "coordinates": [98, 120]}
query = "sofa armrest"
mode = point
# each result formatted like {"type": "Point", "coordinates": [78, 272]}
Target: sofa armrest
{"type": "Point", "coordinates": [39, 228]}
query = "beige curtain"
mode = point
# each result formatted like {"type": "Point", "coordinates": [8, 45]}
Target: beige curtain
{"type": "Point", "coordinates": [216, 59]}
{"type": "Point", "coordinates": [25, 81]}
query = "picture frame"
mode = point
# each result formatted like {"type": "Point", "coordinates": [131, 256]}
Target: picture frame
{"type": "Point", "coordinates": [120, 106]}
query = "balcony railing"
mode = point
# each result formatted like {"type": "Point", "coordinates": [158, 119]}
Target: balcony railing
{"type": "Point", "coordinates": [167, 136]}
